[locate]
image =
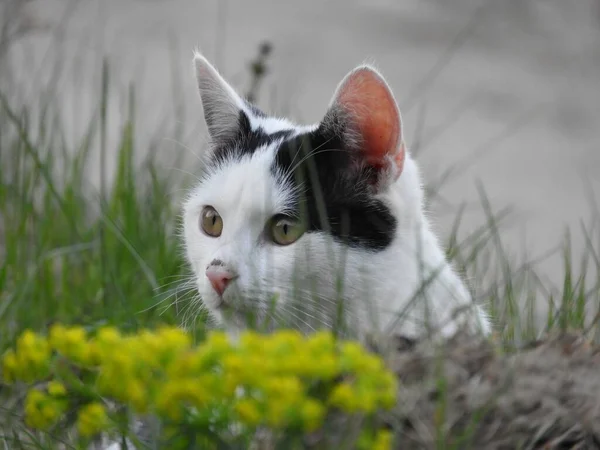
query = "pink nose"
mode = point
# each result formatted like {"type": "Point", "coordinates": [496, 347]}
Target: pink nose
{"type": "Point", "coordinates": [219, 278]}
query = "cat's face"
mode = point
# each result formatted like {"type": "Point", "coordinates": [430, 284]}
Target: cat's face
{"type": "Point", "coordinates": [285, 216]}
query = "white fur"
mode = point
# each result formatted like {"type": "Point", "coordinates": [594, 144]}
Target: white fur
{"type": "Point", "coordinates": [376, 286]}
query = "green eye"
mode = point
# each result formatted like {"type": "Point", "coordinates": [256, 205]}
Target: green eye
{"type": "Point", "coordinates": [285, 230]}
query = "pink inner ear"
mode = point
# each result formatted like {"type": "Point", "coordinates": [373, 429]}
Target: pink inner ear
{"type": "Point", "coordinates": [373, 109]}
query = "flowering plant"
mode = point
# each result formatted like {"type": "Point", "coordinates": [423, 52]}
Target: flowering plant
{"type": "Point", "coordinates": [218, 393]}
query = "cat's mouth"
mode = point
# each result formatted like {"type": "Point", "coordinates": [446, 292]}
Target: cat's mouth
{"type": "Point", "coordinates": [223, 302]}
{"type": "Point", "coordinates": [237, 310]}
{"type": "Point", "coordinates": [228, 305]}
{"type": "Point", "coordinates": [223, 305]}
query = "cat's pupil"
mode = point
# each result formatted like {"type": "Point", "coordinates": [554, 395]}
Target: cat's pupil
{"type": "Point", "coordinates": [214, 219]}
{"type": "Point", "coordinates": [285, 228]}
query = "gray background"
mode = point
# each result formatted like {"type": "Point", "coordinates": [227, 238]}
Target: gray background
{"type": "Point", "coordinates": [507, 90]}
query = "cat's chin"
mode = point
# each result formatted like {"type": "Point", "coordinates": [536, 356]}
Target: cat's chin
{"type": "Point", "coordinates": [239, 319]}
{"type": "Point", "coordinates": [228, 310]}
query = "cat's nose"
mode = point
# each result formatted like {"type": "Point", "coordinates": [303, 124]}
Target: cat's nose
{"type": "Point", "coordinates": [219, 278]}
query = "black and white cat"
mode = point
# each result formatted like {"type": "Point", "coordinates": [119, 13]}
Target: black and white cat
{"type": "Point", "coordinates": [304, 224]}
{"type": "Point", "coordinates": [295, 223]}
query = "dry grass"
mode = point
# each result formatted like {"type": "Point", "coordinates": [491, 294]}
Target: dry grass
{"type": "Point", "coordinates": [474, 393]}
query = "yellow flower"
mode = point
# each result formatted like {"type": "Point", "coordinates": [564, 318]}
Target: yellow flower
{"type": "Point", "coordinates": [286, 340]}
{"type": "Point", "coordinates": [320, 342]}
{"type": "Point", "coordinates": [174, 395]}
{"type": "Point", "coordinates": [184, 365]}
{"type": "Point", "coordinates": [173, 339]}
{"type": "Point", "coordinates": [344, 398]}
{"type": "Point", "coordinates": [260, 379]}
{"type": "Point", "coordinates": [231, 381]}
{"type": "Point", "coordinates": [120, 361]}
{"type": "Point", "coordinates": [56, 389]}
{"type": "Point", "coordinates": [389, 388]}
{"type": "Point", "coordinates": [284, 389]}
{"type": "Point", "coordinates": [233, 363]}
{"type": "Point", "coordinates": [383, 440]}
{"type": "Point", "coordinates": [251, 341]}
{"type": "Point", "coordinates": [75, 335]}
{"type": "Point", "coordinates": [137, 396]}
{"type": "Point", "coordinates": [42, 411]}
{"type": "Point", "coordinates": [276, 413]}
{"type": "Point", "coordinates": [10, 367]}
{"type": "Point", "coordinates": [50, 412]}
{"type": "Point", "coordinates": [248, 412]}
{"type": "Point", "coordinates": [109, 336]}
{"type": "Point", "coordinates": [325, 367]}
{"type": "Point", "coordinates": [167, 402]}
{"type": "Point", "coordinates": [312, 413]}
{"type": "Point", "coordinates": [27, 341]}
{"type": "Point", "coordinates": [32, 357]}
{"type": "Point", "coordinates": [33, 405]}
{"type": "Point", "coordinates": [57, 336]}
{"type": "Point", "coordinates": [92, 419]}
{"type": "Point", "coordinates": [354, 359]}
{"type": "Point", "coordinates": [218, 342]}
{"type": "Point", "coordinates": [71, 342]}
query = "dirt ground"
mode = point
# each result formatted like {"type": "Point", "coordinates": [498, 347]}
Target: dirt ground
{"type": "Point", "coordinates": [545, 396]}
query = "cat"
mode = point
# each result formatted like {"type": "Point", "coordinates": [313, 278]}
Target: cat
{"type": "Point", "coordinates": [307, 224]}
{"type": "Point", "coordinates": [318, 226]}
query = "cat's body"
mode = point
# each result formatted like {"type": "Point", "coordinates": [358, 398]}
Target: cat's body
{"type": "Point", "coordinates": [297, 223]}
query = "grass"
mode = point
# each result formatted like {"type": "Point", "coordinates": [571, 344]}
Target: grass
{"type": "Point", "coordinates": [75, 255]}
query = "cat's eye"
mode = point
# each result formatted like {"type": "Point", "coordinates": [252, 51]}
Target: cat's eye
{"type": "Point", "coordinates": [285, 230]}
{"type": "Point", "coordinates": [211, 222]}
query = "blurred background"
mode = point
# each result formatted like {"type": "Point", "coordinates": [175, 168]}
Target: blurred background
{"type": "Point", "coordinates": [505, 93]}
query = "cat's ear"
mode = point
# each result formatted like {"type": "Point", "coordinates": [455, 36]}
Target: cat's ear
{"type": "Point", "coordinates": [221, 103]}
{"type": "Point", "coordinates": [365, 111]}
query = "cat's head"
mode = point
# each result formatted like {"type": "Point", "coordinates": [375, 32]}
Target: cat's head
{"type": "Point", "coordinates": [285, 216]}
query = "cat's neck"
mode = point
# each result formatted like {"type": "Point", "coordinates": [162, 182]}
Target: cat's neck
{"type": "Point", "coordinates": [413, 280]}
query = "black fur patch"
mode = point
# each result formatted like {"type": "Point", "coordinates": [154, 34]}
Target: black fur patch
{"type": "Point", "coordinates": [337, 194]}
{"type": "Point", "coordinates": [245, 141]}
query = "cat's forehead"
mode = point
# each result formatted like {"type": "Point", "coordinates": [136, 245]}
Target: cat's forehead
{"type": "Point", "coordinates": [256, 132]}
{"type": "Point", "coordinates": [244, 173]}
{"type": "Point", "coordinates": [245, 184]}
